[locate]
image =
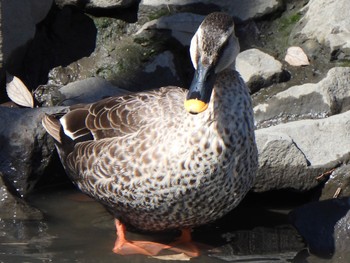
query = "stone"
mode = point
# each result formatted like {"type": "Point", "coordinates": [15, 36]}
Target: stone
{"type": "Point", "coordinates": [258, 69]}
{"type": "Point", "coordinates": [325, 227]}
{"type": "Point", "coordinates": [337, 184]}
{"type": "Point", "coordinates": [182, 26]}
{"type": "Point", "coordinates": [341, 236]}
{"type": "Point", "coordinates": [18, 23]}
{"type": "Point", "coordinates": [293, 154]}
{"type": "Point", "coordinates": [260, 244]}
{"type": "Point", "coordinates": [328, 22]}
{"type": "Point", "coordinates": [26, 148]}
{"type": "Point", "coordinates": [88, 90]}
{"type": "Point", "coordinates": [296, 57]}
{"type": "Point", "coordinates": [243, 10]}
{"type": "Point", "coordinates": [14, 208]}
{"type": "Point", "coordinates": [161, 71]}
{"type": "Point", "coordinates": [67, 35]}
{"type": "Point", "coordinates": [328, 97]}
{"type": "Point", "coordinates": [121, 56]}
{"type": "Point", "coordinates": [282, 165]}
{"type": "Point", "coordinates": [96, 3]}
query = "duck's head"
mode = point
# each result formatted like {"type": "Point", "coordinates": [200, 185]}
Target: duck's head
{"type": "Point", "coordinates": [213, 48]}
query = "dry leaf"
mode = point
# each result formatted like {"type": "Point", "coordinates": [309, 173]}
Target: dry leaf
{"type": "Point", "coordinates": [296, 57]}
{"type": "Point", "coordinates": [18, 92]}
{"type": "Point", "coordinates": [181, 257]}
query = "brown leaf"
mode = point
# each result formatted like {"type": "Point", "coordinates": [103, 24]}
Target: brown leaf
{"type": "Point", "coordinates": [18, 92]}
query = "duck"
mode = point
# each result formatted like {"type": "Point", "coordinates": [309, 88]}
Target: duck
{"type": "Point", "coordinates": [169, 158]}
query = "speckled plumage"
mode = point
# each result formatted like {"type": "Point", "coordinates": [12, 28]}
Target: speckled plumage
{"type": "Point", "coordinates": [156, 165]}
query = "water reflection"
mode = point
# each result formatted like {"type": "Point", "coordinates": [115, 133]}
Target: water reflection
{"type": "Point", "coordinates": [75, 230]}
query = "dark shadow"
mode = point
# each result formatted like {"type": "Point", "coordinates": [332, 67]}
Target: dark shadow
{"type": "Point", "coordinates": [64, 36]}
{"type": "Point", "coordinates": [316, 223]}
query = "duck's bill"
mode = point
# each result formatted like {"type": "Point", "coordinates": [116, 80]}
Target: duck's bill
{"type": "Point", "coordinates": [199, 94]}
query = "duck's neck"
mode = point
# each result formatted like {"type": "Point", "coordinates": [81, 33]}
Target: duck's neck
{"type": "Point", "coordinates": [231, 106]}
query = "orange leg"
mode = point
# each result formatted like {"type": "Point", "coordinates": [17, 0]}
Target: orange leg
{"type": "Point", "coordinates": [124, 247]}
{"type": "Point", "coordinates": [185, 245]}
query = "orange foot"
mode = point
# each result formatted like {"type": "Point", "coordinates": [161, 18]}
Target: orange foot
{"type": "Point", "coordinates": [124, 247]}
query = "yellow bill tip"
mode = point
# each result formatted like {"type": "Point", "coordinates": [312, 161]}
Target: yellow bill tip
{"type": "Point", "coordinates": [195, 106]}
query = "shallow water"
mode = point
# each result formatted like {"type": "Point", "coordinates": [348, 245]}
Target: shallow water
{"type": "Point", "coordinates": [76, 229]}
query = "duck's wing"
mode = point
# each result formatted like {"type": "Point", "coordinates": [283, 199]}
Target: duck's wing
{"type": "Point", "coordinates": [117, 116]}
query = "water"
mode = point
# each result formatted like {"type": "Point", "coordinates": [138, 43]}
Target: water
{"type": "Point", "coordinates": [75, 229]}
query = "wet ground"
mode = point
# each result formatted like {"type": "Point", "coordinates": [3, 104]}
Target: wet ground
{"type": "Point", "coordinates": [76, 229]}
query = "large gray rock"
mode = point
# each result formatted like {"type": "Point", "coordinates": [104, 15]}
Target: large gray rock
{"type": "Point", "coordinates": [308, 101]}
{"type": "Point", "coordinates": [328, 22]}
{"type": "Point", "coordinates": [293, 154]}
{"type": "Point", "coordinates": [14, 208]}
{"type": "Point", "coordinates": [25, 146]}
{"type": "Point", "coordinates": [325, 227]}
{"type": "Point", "coordinates": [281, 164]}
{"type": "Point", "coordinates": [258, 69]}
{"type": "Point", "coordinates": [341, 236]}
{"type": "Point", "coordinates": [338, 183]}
{"type": "Point", "coordinates": [96, 3]}
{"type": "Point", "coordinates": [241, 9]}
{"type": "Point", "coordinates": [18, 24]}
{"type": "Point", "coordinates": [260, 244]}
{"type": "Point", "coordinates": [182, 26]}
{"type": "Point", "coordinates": [88, 90]}
{"type": "Point", "coordinates": [81, 91]}
{"type": "Point", "coordinates": [121, 57]}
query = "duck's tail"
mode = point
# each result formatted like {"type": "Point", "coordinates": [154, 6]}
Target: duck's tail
{"type": "Point", "coordinates": [64, 144]}
{"type": "Point", "coordinates": [67, 129]}
{"type": "Point", "coordinates": [53, 126]}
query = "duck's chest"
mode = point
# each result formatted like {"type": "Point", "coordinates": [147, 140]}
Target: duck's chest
{"type": "Point", "coordinates": [183, 197]}
{"type": "Point", "coordinates": [191, 180]}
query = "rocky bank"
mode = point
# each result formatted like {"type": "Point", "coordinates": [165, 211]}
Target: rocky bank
{"type": "Point", "coordinates": [69, 52]}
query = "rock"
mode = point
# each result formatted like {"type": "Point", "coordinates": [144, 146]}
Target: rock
{"type": "Point", "coordinates": [253, 9]}
{"type": "Point", "coordinates": [327, 22]}
{"type": "Point", "coordinates": [96, 3]}
{"type": "Point", "coordinates": [163, 65]}
{"type": "Point", "coordinates": [26, 148]}
{"type": "Point", "coordinates": [121, 57]}
{"type": "Point", "coordinates": [338, 184]}
{"type": "Point", "coordinates": [324, 226]}
{"type": "Point", "coordinates": [243, 10]}
{"type": "Point", "coordinates": [22, 228]}
{"type": "Point", "coordinates": [282, 164]}
{"type": "Point", "coordinates": [127, 64]}
{"type": "Point", "coordinates": [66, 35]}
{"type": "Point", "coordinates": [260, 244]}
{"type": "Point", "coordinates": [308, 101]}
{"type": "Point", "coordinates": [259, 69]}
{"type": "Point", "coordinates": [296, 57]}
{"type": "Point", "coordinates": [182, 26]}
{"type": "Point", "coordinates": [88, 90]}
{"type": "Point", "coordinates": [293, 154]}
{"type": "Point", "coordinates": [18, 21]}
{"type": "Point", "coordinates": [14, 208]}
{"type": "Point", "coordinates": [80, 91]}
{"type": "Point", "coordinates": [341, 236]}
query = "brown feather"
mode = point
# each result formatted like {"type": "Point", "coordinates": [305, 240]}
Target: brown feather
{"type": "Point", "coordinates": [74, 123]}
{"type": "Point", "coordinates": [52, 126]}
